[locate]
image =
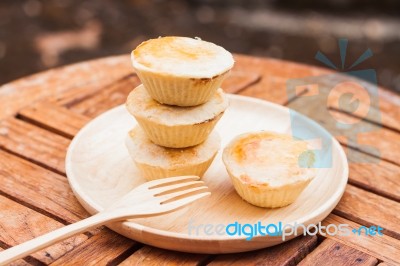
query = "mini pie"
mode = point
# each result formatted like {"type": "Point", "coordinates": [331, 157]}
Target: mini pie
{"type": "Point", "coordinates": [158, 162]}
{"type": "Point", "coordinates": [180, 70]}
{"type": "Point", "coordinates": [174, 126]}
{"type": "Point", "coordinates": [269, 169]}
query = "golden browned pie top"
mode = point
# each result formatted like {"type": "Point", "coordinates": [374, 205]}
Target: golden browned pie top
{"type": "Point", "coordinates": [145, 151]}
{"type": "Point", "coordinates": [269, 158]}
{"type": "Point", "coordinates": [182, 56]}
{"type": "Point", "coordinates": [140, 104]}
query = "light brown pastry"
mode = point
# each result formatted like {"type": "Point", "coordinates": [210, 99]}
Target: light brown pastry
{"type": "Point", "coordinates": [180, 70]}
{"type": "Point", "coordinates": [174, 126]}
{"type": "Point", "coordinates": [158, 162]}
{"type": "Point", "coordinates": [269, 169]}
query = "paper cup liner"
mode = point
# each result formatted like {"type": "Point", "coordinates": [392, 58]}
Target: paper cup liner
{"type": "Point", "coordinates": [269, 197]}
{"type": "Point", "coordinates": [151, 172]}
{"type": "Point", "coordinates": [180, 91]}
{"type": "Point", "coordinates": [179, 136]}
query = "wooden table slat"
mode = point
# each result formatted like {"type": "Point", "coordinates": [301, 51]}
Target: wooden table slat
{"type": "Point", "coordinates": [81, 93]}
{"type": "Point", "coordinates": [290, 253]}
{"type": "Point", "coordinates": [101, 249]}
{"type": "Point", "coordinates": [22, 92]}
{"type": "Point", "coordinates": [380, 110]}
{"type": "Point", "coordinates": [19, 224]}
{"type": "Point", "coordinates": [369, 209]}
{"type": "Point", "coordinates": [384, 264]}
{"type": "Point", "coordinates": [330, 252]}
{"type": "Point", "coordinates": [33, 143]}
{"type": "Point", "coordinates": [108, 97]}
{"type": "Point", "coordinates": [381, 178]}
{"type": "Point", "coordinates": [239, 80]}
{"type": "Point", "coordinates": [389, 105]}
{"type": "Point", "coordinates": [156, 256]}
{"type": "Point", "coordinates": [384, 248]}
{"type": "Point", "coordinates": [274, 75]}
{"type": "Point", "coordinates": [39, 188]}
{"type": "Point", "coordinates": [54, 118]}
{"type": "Point", "coordinates": [385, 141]}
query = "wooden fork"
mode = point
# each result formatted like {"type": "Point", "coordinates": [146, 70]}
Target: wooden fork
{"type": "Point", "coordinates": [149, 199]}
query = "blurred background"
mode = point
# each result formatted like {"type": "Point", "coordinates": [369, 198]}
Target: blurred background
{"type": "Point", "coordinates": [39, 34]}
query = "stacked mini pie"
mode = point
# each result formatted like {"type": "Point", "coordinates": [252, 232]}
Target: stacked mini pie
{"type": "Point", "coordinates": [177, 106]}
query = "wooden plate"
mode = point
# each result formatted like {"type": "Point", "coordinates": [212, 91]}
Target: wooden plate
{"type": "Point", "coordinates": [100, 170]}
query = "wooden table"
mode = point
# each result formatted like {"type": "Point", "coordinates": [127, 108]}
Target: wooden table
{"type": "Point", "coordinates": [40, 114]}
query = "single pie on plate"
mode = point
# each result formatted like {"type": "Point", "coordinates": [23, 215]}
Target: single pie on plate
{"type": "Point", "coordinates": [269, 169]}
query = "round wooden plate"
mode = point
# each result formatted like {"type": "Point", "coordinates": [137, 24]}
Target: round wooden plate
{"type": "Point", "coordinates": [100, 170]}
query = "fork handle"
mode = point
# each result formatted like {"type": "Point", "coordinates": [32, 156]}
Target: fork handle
{"type": "Point", "coordinates": [38, 243]}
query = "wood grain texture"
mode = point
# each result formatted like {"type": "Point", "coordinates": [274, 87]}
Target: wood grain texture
{"type": "Point", "coordinates": [385, 264]}
{"type": "Point", "coordinates": [34, 144]}
{"type": "Point", "coordinates": [104, 248]}
{"type": "Point", "coordinates": [384, 248]}
{"type": "Point", "coordinates": [359, 135]}
{"type": "Point", "coordinates": [289, 253]}
{"type": "Point", "coordinates": [380, 107]}
{"type": "Point", "coordinates": [385, 143]}
{"type": "Point", "coordinates": [39, 188]}
{"type": "Point", "coordinates": [239, 80]}
{"type": "Point", "coordinates": [19, 224]}
{"type": "Point", "coordinates": [78, 94]}
{"type": "Point", "coordinates": [110, 96]}
{"type": "Point", "coordinates": [22, 92]}
{"type": "Point", "coordinates": [378, 177]}
{"type": "Point", "coordinates": [389, 103]}
{"type": "Point", "coordinates": [273, 83]}
{"type": "Point", "coordinates": [369, 209]}
{"type": "Point", "coordinates": [54, 118]}
{"type": "Point", "coordinates": [330, 252]}
{"type": "Point", "coordinates": [336, 90]}
{"type": "Point", "coordinates": [156, 256]}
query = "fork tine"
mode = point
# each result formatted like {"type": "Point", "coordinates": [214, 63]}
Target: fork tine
{"type": "Point", "coordinates": [181, 194]}
{"type": "Point", "coordinates": [170, 180]}
{"type": "Point", "coordinates": [176, 204]}
{"type": "Point", "coordinates": [174, 188]}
